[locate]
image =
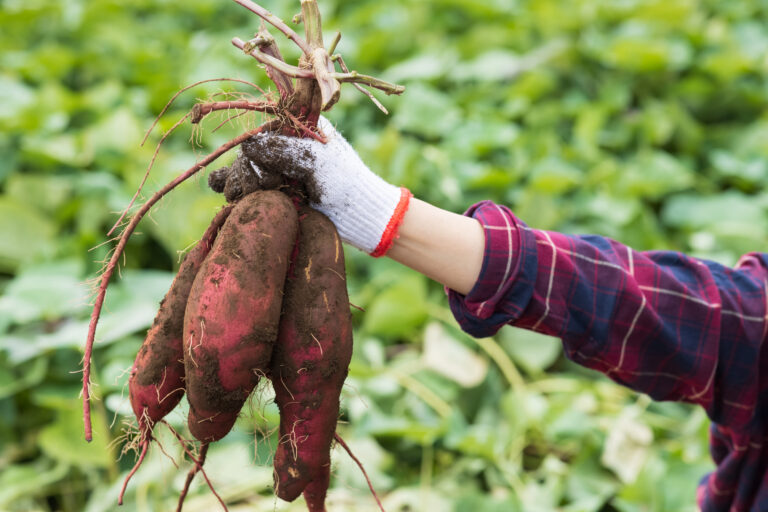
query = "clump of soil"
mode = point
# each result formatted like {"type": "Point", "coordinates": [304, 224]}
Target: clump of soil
{"type": "Point", "coordinates": [268, 162]}
{"type": "Point", "coordinates": [217, 180]}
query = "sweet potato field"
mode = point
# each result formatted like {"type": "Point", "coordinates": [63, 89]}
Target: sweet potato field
{"type": "Point", "coordinates": [642, 120]}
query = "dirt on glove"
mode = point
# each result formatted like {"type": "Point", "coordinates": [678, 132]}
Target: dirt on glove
{"type": "Point", "coordinates": [268, 162]}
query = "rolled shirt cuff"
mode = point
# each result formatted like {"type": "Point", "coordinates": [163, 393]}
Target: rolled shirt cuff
{"type": "Point", "coordinates": [507, 277]}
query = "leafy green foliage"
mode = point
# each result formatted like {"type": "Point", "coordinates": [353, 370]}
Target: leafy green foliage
{"type": "Point", "coordinates": [643, 120]}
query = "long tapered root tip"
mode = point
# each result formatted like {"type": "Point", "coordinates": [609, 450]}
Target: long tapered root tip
{"type": "Point", "coordinates": [87, 428]}
{"type": "Point", "coordinates": [346, 447]}
{"type": "Point", "coordinates": [191, 475]}
{"type": "Point", "coordinates": [144, 448]}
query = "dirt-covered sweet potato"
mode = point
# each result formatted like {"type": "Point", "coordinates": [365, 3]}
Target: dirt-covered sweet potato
{"type": "Point", "coordinates": [310, 361]}
{"type": "Point", "coordinates": [233, 311]}
{"type": "Point", "coordinates": [156, 384]}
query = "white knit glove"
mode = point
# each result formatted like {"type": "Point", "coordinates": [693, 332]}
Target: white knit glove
{"type": "Point", "coordinates": [366, 210]}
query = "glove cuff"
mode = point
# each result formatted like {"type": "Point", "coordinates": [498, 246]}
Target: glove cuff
{"type": "Point", "coordinates": [393, 226]}
{"type": "Point", "coordinates": [367, 212]}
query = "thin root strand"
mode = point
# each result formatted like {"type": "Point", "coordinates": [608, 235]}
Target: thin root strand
{"type": "Point", "coordinates": [191, 475]}
{"type": "Point", "coordinates": [188, 87]}
{"type": "Point", "coordinates": [146, 173]}
{"type": "Point", "coordinates": [197, 465]}
{"type": "Point", "coordinates": [344, 445]}
{"type": "Point", "coordinates": [202, 109]}
{"type": "Point", "coordinates": [144, 449]}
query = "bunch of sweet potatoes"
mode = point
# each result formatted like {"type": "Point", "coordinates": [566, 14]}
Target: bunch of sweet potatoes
{"type": "Point", "coordinates": [262, 294]}
{"type": "Point", "coordinates": [264, 291]}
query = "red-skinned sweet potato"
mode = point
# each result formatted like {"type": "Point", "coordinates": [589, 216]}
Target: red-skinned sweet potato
{"type": "Point", "coordinates": [156, 384]}
{"type": "Point", "coordinates": [310, 361]}
{"type": "Point", "coordinates": [233, 311]}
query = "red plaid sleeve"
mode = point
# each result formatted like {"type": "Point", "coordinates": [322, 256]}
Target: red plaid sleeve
{"type": "Point", "coordinates": [662, 323]}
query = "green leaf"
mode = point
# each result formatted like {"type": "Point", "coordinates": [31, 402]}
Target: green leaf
{"type": "Point", "coordinates": [376, 461]}
{"type": "Point", "coordinates": [645, 54]}
{"type": "Point", "coordinates": [729, 212]}
{"type": "Point", "coordinates": [46, 193]}
{"type": "Point", "coordinates": [673, 13]}
{"type": "Point", "coordinates": [27, 234]}
{"type": "Point", "coordinates": [129, 308]}
{"type": "Point", "coordinates": [22, 376]}
{"type": "Point", "coordinates": [20, 481]}
{"type": "Point", "coordinates": [569, 424]}
{"type": "Point", "coordinates": [422, 67]}
{"type": "Point", "coordinates": [726, 64]}
{"type": "Point", "coordinates": [179, 232]}
{"type": "Point", "coordinates": [534, 352]}
{"type": "Point", "coordinates": [118, 132]}
{"type": "Point", "coordinates": [56, 396]}
{"type": "Point", "coordinates": [63, 441]}
{"type": "Point", "coordinates": [746, 170]}
{"type": "Point", "coordinates": [481, 137]}
{"type": "Point", "coordinates": [478, 440]}
{"type": "Point", "coordinates": [494, 65]}
{"type": "Point", "coordinates": [44, 292]}
{"type": "Point", "coordinates": [426, 111]}
{"type": "Point", "coordinates": [414, 498]}
{"type": "Point", "coordinates": [137, 286]}
{"type": "Point", "coordinates": [654, 173]}
{"type": "Point", "coordinates": [554, 176]}
{"type": "Point", "coordinates": [382, 425]}
{"type": "Point", "coordinates": [612, 209]}
{"type": "Point", "coordinates": [627, 447]}
{"type": "Point", "coordinates": [16, 97]}
{"type": "Point", "coordinates": [399, 309]}
{"type": "Point", "coordinates": [132, 306]}
{"type": "Point", "coordinates": [448, 357]}
{"type": "Point", "coordinates": [66, 149]}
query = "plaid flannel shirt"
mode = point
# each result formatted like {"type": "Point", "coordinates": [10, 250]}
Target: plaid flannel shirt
{"type": "Point", "coordinates": [661, 323]}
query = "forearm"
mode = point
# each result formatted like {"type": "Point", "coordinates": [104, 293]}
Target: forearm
{"type": "Point", "coordinates": [444, 246]}
{"type": "Point", "coordinates": [662, 323]}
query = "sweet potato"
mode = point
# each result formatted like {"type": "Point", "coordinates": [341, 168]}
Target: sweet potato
{"type": "Point", "coordinates": [233, 311]}
{"type": "Point", "coordinates": [310, 361]}
{"type": "Point", "coordinates": [156, 384]}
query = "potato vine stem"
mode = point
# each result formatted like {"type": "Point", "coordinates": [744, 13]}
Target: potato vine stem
{"type": "Point", "coordinates": [359, 87]}
{"type": "Point", "coordinates": [277, 23]}
{"type": "Point", "coordinates": [269, 47]}
{"type": "Point", "coordinates": [295, 72]}
{"type": "Point", "coordinates": [355, 77]}
{"type": "Point", "coordinates": [269, 61]}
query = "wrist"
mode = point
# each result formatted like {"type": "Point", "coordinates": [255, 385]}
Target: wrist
{"type": "Point", "coordinates": [444, 246]}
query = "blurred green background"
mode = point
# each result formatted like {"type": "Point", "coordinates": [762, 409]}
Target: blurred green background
{"type": "Point", "coordinates": [642, 120]}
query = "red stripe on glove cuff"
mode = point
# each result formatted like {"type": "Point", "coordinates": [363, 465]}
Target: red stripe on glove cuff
{"type": "Point", "coordinates": [390, 233]}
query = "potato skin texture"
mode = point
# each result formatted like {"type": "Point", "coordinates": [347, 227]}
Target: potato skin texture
{"type": "Point", "coordinates": [156, 384]}
{"type": "Point", "coordinates": [310, 361]}
{"type": "Point", "coordinates": [233, 311]}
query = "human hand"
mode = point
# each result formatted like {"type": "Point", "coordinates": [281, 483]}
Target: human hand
{"type": "Point", "coordinates": [365, 209]}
